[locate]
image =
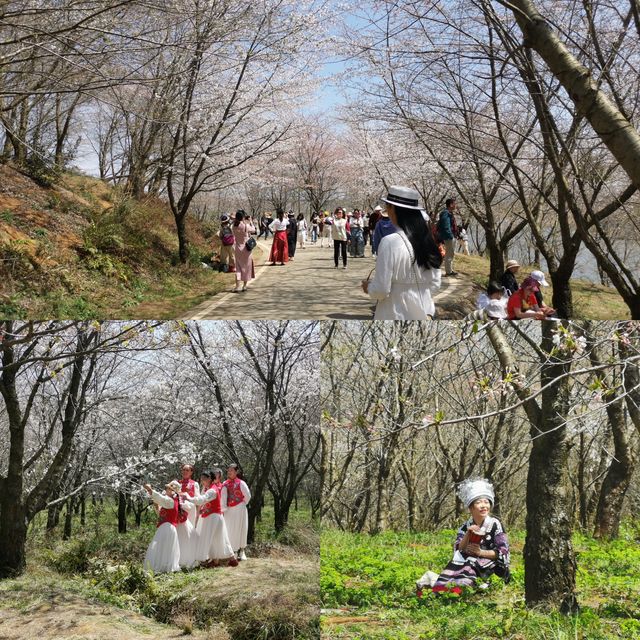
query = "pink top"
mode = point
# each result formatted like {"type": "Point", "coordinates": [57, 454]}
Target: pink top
{"type": "Point", "coordinates": [242, 233]}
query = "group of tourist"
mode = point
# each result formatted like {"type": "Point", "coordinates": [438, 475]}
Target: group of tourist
{"type": "Point", "coordinates": [202, 523]}
{"type": "Point", "coordinates": [510, 300]}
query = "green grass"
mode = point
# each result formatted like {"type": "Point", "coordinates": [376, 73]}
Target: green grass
{"type": "Point", "coordinates": [275, 594]}
{"type": "Point", "coordinates": [592, 301]}
{"type": "Point", "coordinates": [368, 589]}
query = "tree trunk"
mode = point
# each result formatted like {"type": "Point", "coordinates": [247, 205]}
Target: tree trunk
{"type": "Point", "coordinates": [562, 300]}
{"type": "Point", "coordinates": [613, 128]}
{"type": "Point", "coordinates": [122, 513]}
{"type": "Point", "coordinates": [83, 509]}
{"type": "Point", "coordinates": [68, 516]}
{"type": "Point", "coordinates": [496, 257]}
{"type": "Point", "coordinates": [183, 244]}
{"type": "Point", "coordinates": [549, 559]}
{"type": "Point", "coordinates": [616, 482]}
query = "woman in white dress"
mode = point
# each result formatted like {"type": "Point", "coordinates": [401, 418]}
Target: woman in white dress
{"type": "Point", "coordinates": [235, 497]}
{"type": "Point", "coordinates": [408, 263]}
{"type": "Point", "coordinates": [187, 534]}
{"type": "Point", "coordinates": [302, 231]}
{"type": "Point", "coordinates": [163, 553]}
{"type": "Point", "coordinates": [213, 541]}
{"type": "Point", "coordinates": [190, 486]}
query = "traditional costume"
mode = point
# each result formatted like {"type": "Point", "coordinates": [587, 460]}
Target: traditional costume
{"type": "Point", "coordinates": [213, 540]}
{"type": "Point", "coordinates": [464, 570]}
{"type": "Point", "coordinates": [191, 487]}
{"type": "Point", "coordinates": [163, 554]}
{"type": "Point", "coordinates": [187, 535]}
{"type": "Point", "coordinates": [279, 248]}
{"type": "Point", "coordinates": [235, 497]}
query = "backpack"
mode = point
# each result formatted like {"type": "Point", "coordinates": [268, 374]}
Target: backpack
{"type": "Point", "coordinates": [227, 237]}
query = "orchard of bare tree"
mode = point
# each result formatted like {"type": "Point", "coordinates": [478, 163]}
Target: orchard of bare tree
{"type": "Point", "coordinates": [548, 415]}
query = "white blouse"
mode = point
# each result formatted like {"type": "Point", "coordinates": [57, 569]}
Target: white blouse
{"type": "Point", "coordinates": [279, 225]}
{"type": "Point", "coordinates": [402, 290]}
{"type": "Point", "coordinates": [339, 229]}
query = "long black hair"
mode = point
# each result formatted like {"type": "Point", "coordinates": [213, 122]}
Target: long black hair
{"type": "Point", "coordinates": [419, 234]}
{"type": "Point", "coordinates": [240, 216]}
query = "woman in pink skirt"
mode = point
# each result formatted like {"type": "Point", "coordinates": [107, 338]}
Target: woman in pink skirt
{"type": "Point", "coordinates": [242, 230]}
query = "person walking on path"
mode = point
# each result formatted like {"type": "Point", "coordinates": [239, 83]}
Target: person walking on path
{"type": "Point", "coordinates": [376, 214]}
{"type": "Point", "coordinates": [292, 235]}
{"type": "Point", "coordinates": [325, 234]}
{"type": "Point", "coordinates": [384, 227]}
{"type": "Point", "coordinates": [302, 231]}
{"type": "Point", "coordinates": [339, 235]}
{"type": "Point", "coordinates": [508, 280]}
{"type": "Point", "coordinates": [242, 230]}
{"type": "Point", "coordinates": [365, 228]}
{"type": "Point", "coordinates": [463, 239]}
{"type": "Point", "coordinates": [265, 221]}
{"type": "Point", "coordinates": [357, 235]}
{"type": "Point", "coordinates": [407, 270]}
{"type": "Point", "coordinates": [447, 232]}
{"type": "Point", "coordinates": [279, 248]}
{"type": "Point", "coordinates": [315, 227]}
{"type": "Point", "coordinates": [227, 241]}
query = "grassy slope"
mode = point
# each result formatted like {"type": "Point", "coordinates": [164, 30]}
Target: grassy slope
{"type": "Point", "coordinates": [592, 301]}
{"type": "Point", "coordinates": [80, 249]}
{"type": "Point", "coordinates": [93, 587]}
{"type": "Point", "coordinates": [368, 590]}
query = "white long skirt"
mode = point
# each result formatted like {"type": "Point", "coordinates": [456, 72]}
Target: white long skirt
{"type": "Point", "coordinates": [213, 540]}
{"type": "Point", "coordinates": [163, 554]}
{"type": "Point", "coordinates": [188, 541]}
{"type": "Point", "coordinates": [237, 520]}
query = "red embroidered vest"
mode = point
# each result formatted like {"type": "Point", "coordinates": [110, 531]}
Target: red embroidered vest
{"type": "Point", "coordinates": [183, 514]}
{"type": "Point", "coordinates": [189, 486]}
{"type": "Point", "coordinates": [213, 506]}
{"type": "Point", "coordinates": [234, 492]}
{"type": "Point", "coordinates": [169, 515]}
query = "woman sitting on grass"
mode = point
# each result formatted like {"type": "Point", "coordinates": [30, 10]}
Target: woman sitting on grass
{"type": "Point", "coordinates": [481, 547]}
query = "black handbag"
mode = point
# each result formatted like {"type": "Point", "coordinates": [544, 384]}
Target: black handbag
{"type": "Point", "coordinates": [250, 244]}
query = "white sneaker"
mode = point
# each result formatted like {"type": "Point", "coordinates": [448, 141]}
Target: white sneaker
{"type": "Point", "coordinates": [242, 556]}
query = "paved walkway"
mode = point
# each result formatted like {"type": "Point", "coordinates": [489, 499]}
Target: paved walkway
{"type": "Point", "coordinates": [309, 287]}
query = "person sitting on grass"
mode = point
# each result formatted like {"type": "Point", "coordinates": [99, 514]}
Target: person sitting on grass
{"type": "Point", "coordinates": [509, 280]}
{"type": "Point", "coordinates": [493, 302]}
{"type": "Point", "coordinates": [538, 276]}
{"type": "Point", "coordinates": [523, 304]}
{"type": "Point", "coordinates": [481, 547]}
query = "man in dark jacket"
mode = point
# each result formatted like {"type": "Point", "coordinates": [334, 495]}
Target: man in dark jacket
{"type": "Point", "coordinates": [292, 235]}
{"type": "Point", "coordinates": [508, 280]}
{"type": "Point", "coordinates": [446, 231]}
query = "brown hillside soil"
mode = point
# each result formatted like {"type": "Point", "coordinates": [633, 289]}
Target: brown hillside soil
{"type": "Point", "coordinates": [82, 249]}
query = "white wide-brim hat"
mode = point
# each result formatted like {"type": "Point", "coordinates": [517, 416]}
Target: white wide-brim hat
{"type": "Point", "coordinates": [403, 197]}
{"type": "Point", "coordinates": [539, 276]}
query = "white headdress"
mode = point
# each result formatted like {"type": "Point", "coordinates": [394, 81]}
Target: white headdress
{"type": "Point", "coordinates": [175, 486]}
{"type": "Point", "coordinates": [472, 489]}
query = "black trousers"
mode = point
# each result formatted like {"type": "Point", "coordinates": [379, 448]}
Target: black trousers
{"type": "Point", "coordinates": [340, 246]}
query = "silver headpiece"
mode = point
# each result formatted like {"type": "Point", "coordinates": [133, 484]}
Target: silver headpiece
{"type": "Point", "coordinates": [472, 489]}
